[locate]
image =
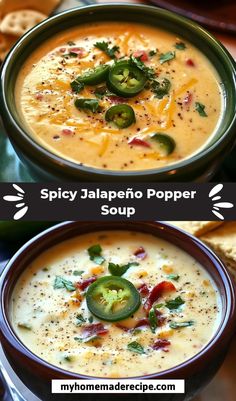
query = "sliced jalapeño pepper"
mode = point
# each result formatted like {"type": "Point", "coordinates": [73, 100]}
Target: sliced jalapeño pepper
{"type": "Point", "coordinates": [122, 115]}
{"type": "Point", "coordinates": [94, 76]}
{"type": "Point", "coordinates": [125, 79]}
{"type": "Point", "coordinates": [166, 142]}
{"type": "Point", "coordinates": [112, 298]}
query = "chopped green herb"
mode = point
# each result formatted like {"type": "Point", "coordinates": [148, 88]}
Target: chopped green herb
{"type": "Point", "coordinates": [78, 272]}
{"type": "Point", "coordinates": [174, 303]}
{"type": "Point", "coordinates": [87, 339]}
{"type": "Point", "coordinates": [179, 325]}
{"type": "Point", "coordinates": [95, 254]}
{"type": "Point", "coordinates": [173, 276]}
{"type": "Point", "coordinates": [102, 91]}
{"type": "Point", "coordinates": [153, 320]}
{"type": "Point", "coordinates": [70, 55]}
{"type": "Point", "coordinates": [77, 86]}
{"type": "Point", "coordinates": [26, 326]}
{"type": "Point", "coordinates": [164, 57]}
{"type": "Point", "coordinates": [161, 88]}
{"type": "Point", "coordinates": [61, 282]}
{"type": "Point", "coordinates": [45, 269]}
{"type": "Point", "coordinates": [71, 43]}
{"type": "Point", "coordinates": [119, 270]}
{"type": "Point", "coordinates": [104, 46]}
{"type": "Point", "coordinates": [87, 104]}
{"type": "Point", "coordinates": [80, 320]}
{"type": "Point", "coordinates": [158, 306]}
{"type": "Point", "coordinates": [149, 72]}
{"type": "Point", "coordinates": [180, 45]}
{"type": "Point", "coordinates": [152, 53]}
{"type": "Point", "coordinates": [136, 347]}
{"type": "Point", "coordinates": [136, 331]}
{"type": "Point", "coordinates": [90, 319]}
{"type": "Point", "coordinates": [68, 358]}
{"type": "Point", "coordinates": [201, 109]}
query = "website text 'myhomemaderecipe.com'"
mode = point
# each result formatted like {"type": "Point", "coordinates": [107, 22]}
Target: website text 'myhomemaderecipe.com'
{"type": "Point", "coordinates": [118, 386]}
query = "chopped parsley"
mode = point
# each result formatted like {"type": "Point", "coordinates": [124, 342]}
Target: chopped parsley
{"type": "Point", "coordinates": [77, 86]}
{"type": "Point", "coordinates": [179, 325]}
{"type": "Point", "coordinates": [95, 254]}
{"type": "Point", "coordinates": [153, 320]}
{"type": "Point", "coordinates": [173, 276]}
{"type": "Point", "coordinates": [78, 272]}
{"type": "Point", "coordinates": [119, 270]}
{"type": "Point", "coordinates": [110, 51]}
{"type": "Point", "coordinates": [164, 57]}
{"type": "Point", "coordinates": [70, 55]}
{"type": "Point", "coordinates": [152, 53]}
{"type": "Point", "coordinates": [87, 339]}
{"type": "Point", "coordinates": [180, 45]}
{"type": "Point", "coordinates": [200, 108]}
{"type": "Point", "coordinates": [61, 282]}
{"type": "Point", "coordinates": [173, 304]}
{"type": "Point", "coordinates": [136, 347]}
{"type": "Point", "coordinates": [87, 104]}
{"type": "Point", "coordinates": [148, 72]}
{"type": "Point", "coordinates": [80, 320]}
{"type": "Point", "coordinates": [161, 88]}
{"type": "Point", "coordinates": [71, 43]}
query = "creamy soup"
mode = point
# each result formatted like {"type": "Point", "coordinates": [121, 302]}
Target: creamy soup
{"type": "Point", "coordinates": [119, 96]}
{"type": "Point", "coordinates": [115, 304]}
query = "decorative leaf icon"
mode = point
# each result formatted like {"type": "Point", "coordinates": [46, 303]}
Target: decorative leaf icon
{"type": "Point", "coordinates": [216, 198]}
{"type": "Point", "coordinates": [20, 205]}
{"type": "Point", "coordinates": [217, 214]}
{"type": "Point", "coordinates": [18, 215]}
{"type": "Point", "coordinates": [12, 198]}
{"type": "Point", "coordinates": [18, 188]}
{"type": "Point", "coordinates": [217, 188]}
{"type": "Point", "coordinates": [225, 205]}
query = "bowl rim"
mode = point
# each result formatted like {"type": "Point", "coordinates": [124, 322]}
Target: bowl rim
{"type": "Point", "coordinates": [223, 333]}
{"type": "Point", "coordinates": [59, 162]}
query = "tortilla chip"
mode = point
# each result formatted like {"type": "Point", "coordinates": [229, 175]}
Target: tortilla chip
{"type": "Point", "coordinates": [6, 42]}
{"type": "Point", "coordinates": [19, 22]}
{"type": "Point", "coordinates": [45, 7]}
{"type": "Point", "coordinates": [196, 227]}
{"type": "Point", "coordinates": [223, 241]}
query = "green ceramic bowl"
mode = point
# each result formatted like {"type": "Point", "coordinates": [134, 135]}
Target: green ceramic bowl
{"type": "Point", "coordinates": [47, 165]}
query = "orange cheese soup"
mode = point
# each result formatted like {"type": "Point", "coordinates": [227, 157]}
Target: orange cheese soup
{"type": "Point", "coordinates": [119, 96]}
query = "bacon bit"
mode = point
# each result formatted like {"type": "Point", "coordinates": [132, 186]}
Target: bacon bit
{"type": "Point", "coordinates": [80, 51]}
{"type": "Point", "coordinates": [140, 253]}
{"type": "Point", "coordinates": [62, 50]}
{"type": "Point", "coordinates": [143, 290]}
{"type": "Point", "coordinates": [157, 292]}
{"type": "Point", "coordinates": [67, 132]}
{"type": "Point", "coordinates": [82, 285]}
{"type": "Point", "coordinates": [190, 62]}
{"type": "Point", "coordinates": [116, 99]}
{"type": "Point", "coordinates": [141, 54]}
{"type": "Point", "coordinates": [161, 344]}
{"type": "Point", "coordinates": [142, 322]}
{"type": "Point", "coordinates": [160, 318]}
{"type": "Point", "coordinates": [188, 99]}
{"type": "Point", "coordinates": [124, 328]}
{"type": "Point", "coordinates": [39, 96]}
{"type": "Point", "coordinates": [93, 330]}
{"type": "Point", "coordinates": [139, 142]}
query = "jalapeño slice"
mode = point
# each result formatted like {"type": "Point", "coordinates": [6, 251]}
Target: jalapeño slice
{"type": "Point", "coordinates": [125, 79]}
{"type": "Point", "coordinates": [94, 76]}
{"type": "Point", "coordinates": [122, 115]}
{"type": "Point", "coordinates": [166, 142]}
{"type": "Point", "coordinates": [112, 298]}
